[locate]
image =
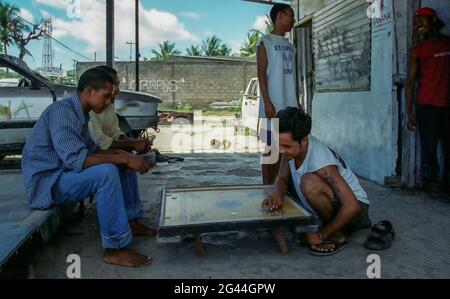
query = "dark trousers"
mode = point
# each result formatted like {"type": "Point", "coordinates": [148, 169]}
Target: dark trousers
{"type": "Point", "coordinates": [434, 127]}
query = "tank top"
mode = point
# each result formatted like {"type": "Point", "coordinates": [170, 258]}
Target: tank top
{"type": "Point", "coordinates": [280, 73]}
{"type": "Point", "coordinates": [319, 156]}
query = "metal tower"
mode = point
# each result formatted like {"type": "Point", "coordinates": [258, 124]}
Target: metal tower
{"type": "Point", "coordinates": [47, 51]}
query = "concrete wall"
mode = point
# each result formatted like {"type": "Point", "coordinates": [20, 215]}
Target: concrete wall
{"type": "Point", "coordinates": [197, 81]}
{"type": "Point", "coordinates": [362, 126]}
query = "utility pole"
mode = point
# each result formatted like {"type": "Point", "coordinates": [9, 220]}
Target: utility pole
{"type": "Point", "coordinates": [136, 4]}
{"type": "Point", "coordinates": [75, 69]}
{"type": "Point", "coordinates": [109, 32]}
{"type": "Point", "coordinates": [131, 49]}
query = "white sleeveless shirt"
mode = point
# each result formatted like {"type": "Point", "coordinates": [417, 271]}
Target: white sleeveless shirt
{"type": "Point", "coordinates": [280, 73]}
{"type": "Point", "coordinates": [319, 156]}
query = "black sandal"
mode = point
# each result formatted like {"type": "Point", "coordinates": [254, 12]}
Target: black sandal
{"type": "Point", "coordinates": [381, 236]}
{"type": "Point", "coordinates": [338, 247]}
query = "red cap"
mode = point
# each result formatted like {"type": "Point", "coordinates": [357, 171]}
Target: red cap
{"type": "Point", "coordinates": [426, 11]}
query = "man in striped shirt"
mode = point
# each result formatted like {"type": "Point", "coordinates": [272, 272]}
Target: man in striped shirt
{"type": "Point", "coordinates": [61, 164]}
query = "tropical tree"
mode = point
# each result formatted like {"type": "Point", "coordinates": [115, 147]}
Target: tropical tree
{"type": "Point", "coordinates": [213, 46]}
{"type": "Point", "coordinates": [9, 22]}
{"type": "Point", "coordinates": [269, 26]}
{"type": "Point", "coordinates": [253, 37]}
{"type": "Point", "coordinates": [225, 50]}
{"type": "Point", "coordinates": [166, 50]}
{"type": "Point", "coordinates": [194, 51]}
{"type": "Point", "coordinates": [249, 47]}
{"type": "Point", "coordinates": [22, 36]}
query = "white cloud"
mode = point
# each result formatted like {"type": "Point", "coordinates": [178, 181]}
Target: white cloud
{"type": "Point", "coordinates": [26, 14]}
{"type": "Point", "coordinates": [235, 46]}
{"type": "Point", "coordinates": [155, 27]}
{"type": "Point", "coordinates": [61, 4]}
{"type": "Point", "coordinates": [45, 14]}
{"type": "Point", "coordinates": [260, 23]}
{"type": "Point", "coordinates": [191, 15]}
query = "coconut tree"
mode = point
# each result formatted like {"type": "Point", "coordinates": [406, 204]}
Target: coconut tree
{"type": "Point", "coordinates": [9, 22]}
{"type": "Point", "coordinates": [249, 47]}
{"type": "Point", "coordinates": [213, 46]}
{"type": "Point", "coordinates": [194, 51]}
{"type": "Point", "coordinates": [166, 50]}
{"type": "Point", "coordinates": [225, 50]}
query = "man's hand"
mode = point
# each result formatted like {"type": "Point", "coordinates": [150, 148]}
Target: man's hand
{"type": "Point", "coordinates": [142, 146]}
{"type": "Point", "coordinates": [270, 110]}
{"type": "Point", "coordinates": [273, 202]}
{"type": "Point", "coordinates": [138, 164]}
{"type": "Point", "coordinates": [411, 123]}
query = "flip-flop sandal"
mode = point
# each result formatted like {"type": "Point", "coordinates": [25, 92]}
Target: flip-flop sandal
{"type": "Point", "coordinates": [338, 248]}
{"type": "Point", "coordinates": [381, 236]}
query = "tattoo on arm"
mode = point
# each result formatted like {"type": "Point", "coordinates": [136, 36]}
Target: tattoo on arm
{"type": "Point", "coordinates": [325, 174]}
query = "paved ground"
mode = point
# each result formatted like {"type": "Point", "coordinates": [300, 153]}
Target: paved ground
{"type": "Point", "coordinates": [421, 249]}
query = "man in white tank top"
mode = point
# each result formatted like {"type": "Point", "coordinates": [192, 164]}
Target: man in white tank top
{"type": "Point", "coordinates": [322, 183]}
{"type": "Point", "coordinates": [276, 75]}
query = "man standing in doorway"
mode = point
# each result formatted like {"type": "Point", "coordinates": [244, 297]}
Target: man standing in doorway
{"type": "Point", "coordinates": [430, 66]}
{"type": "Point", "coordinates": [276, 75]}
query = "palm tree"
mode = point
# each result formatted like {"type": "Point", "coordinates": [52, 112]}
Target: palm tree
{"type": "Point", "coordinates": [194, 51]}
{"type": "Point", "coordinates": [225, 50]}
{"type": "Point", "coordinates": [8, 24]}
{"type": "Point", "coordinates": [213, 46]}
{"type": "Point", "coordinates": [166, 50]}
{"type": "Point", "coordinates": [249, 47]}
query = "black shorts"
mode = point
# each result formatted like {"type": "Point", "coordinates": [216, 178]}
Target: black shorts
{"type": "Point", "coordinates": [360, 221]}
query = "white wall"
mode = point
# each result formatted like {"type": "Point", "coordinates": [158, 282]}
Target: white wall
{"type": "Point", "coordinates": [361, 126]}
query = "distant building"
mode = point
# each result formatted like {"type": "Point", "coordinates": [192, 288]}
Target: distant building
{"type": "Point", "coordinates": [53, 72]}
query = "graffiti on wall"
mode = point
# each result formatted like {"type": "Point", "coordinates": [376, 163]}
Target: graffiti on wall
{"type": "Point", "coordinates": [156, 86]}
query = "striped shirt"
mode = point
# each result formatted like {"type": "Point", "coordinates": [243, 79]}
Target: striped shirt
{"type": "Point", "coordinates": [60, 142]}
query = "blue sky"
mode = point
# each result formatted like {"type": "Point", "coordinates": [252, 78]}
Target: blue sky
{"type": "Point", "coordinates": [184, 22]}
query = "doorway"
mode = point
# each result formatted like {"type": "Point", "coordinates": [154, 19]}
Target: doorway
{"type": "Point", "coordinates": [305, 63]}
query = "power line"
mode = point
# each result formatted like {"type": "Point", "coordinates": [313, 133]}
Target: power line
{"type": "Point", "coordinates": [57, 41]}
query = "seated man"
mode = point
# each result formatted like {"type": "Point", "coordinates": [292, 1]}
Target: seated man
{"type": "Point", "coordinates": [61, 165]}
{"type": "Point", "coordinates": [323, 183]}
{"type": "Point", "coordinates": [104, 127]}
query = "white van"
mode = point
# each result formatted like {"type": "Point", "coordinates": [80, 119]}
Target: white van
{"type": "Point", "coordinates": [250, 105]}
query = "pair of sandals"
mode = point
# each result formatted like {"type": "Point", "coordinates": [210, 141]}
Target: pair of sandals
{"type": "Point", "coordinates": [380, 238]}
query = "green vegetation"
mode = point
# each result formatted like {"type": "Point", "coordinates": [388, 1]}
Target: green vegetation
{"type": "Point", "coordinates": [166, 50]}
{"type": "Point", "coordinates": [15, 31]}
{"type": "Point", "coordinates": [5, 74]}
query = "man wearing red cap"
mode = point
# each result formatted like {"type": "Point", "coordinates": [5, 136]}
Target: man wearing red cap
{"type": "Point", "coordinates": [430, 66]}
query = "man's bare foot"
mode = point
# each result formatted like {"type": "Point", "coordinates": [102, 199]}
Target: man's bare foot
{"type": "Point", "coordinates": [140, 230]}
{"type": "Point", "coordinates": [126, 257]}
{"type": "Point", "coordinates": [338, 237]}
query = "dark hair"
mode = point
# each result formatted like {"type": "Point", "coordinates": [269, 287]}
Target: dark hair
{"type": "Point", "coordinates": [295, 121]}
{"type": "Point", "coordinates": [107, 69]}
{"type": "Point", "coordinates": [276, 9]}
{"type": "Point", "coordinates": [95, 78]}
